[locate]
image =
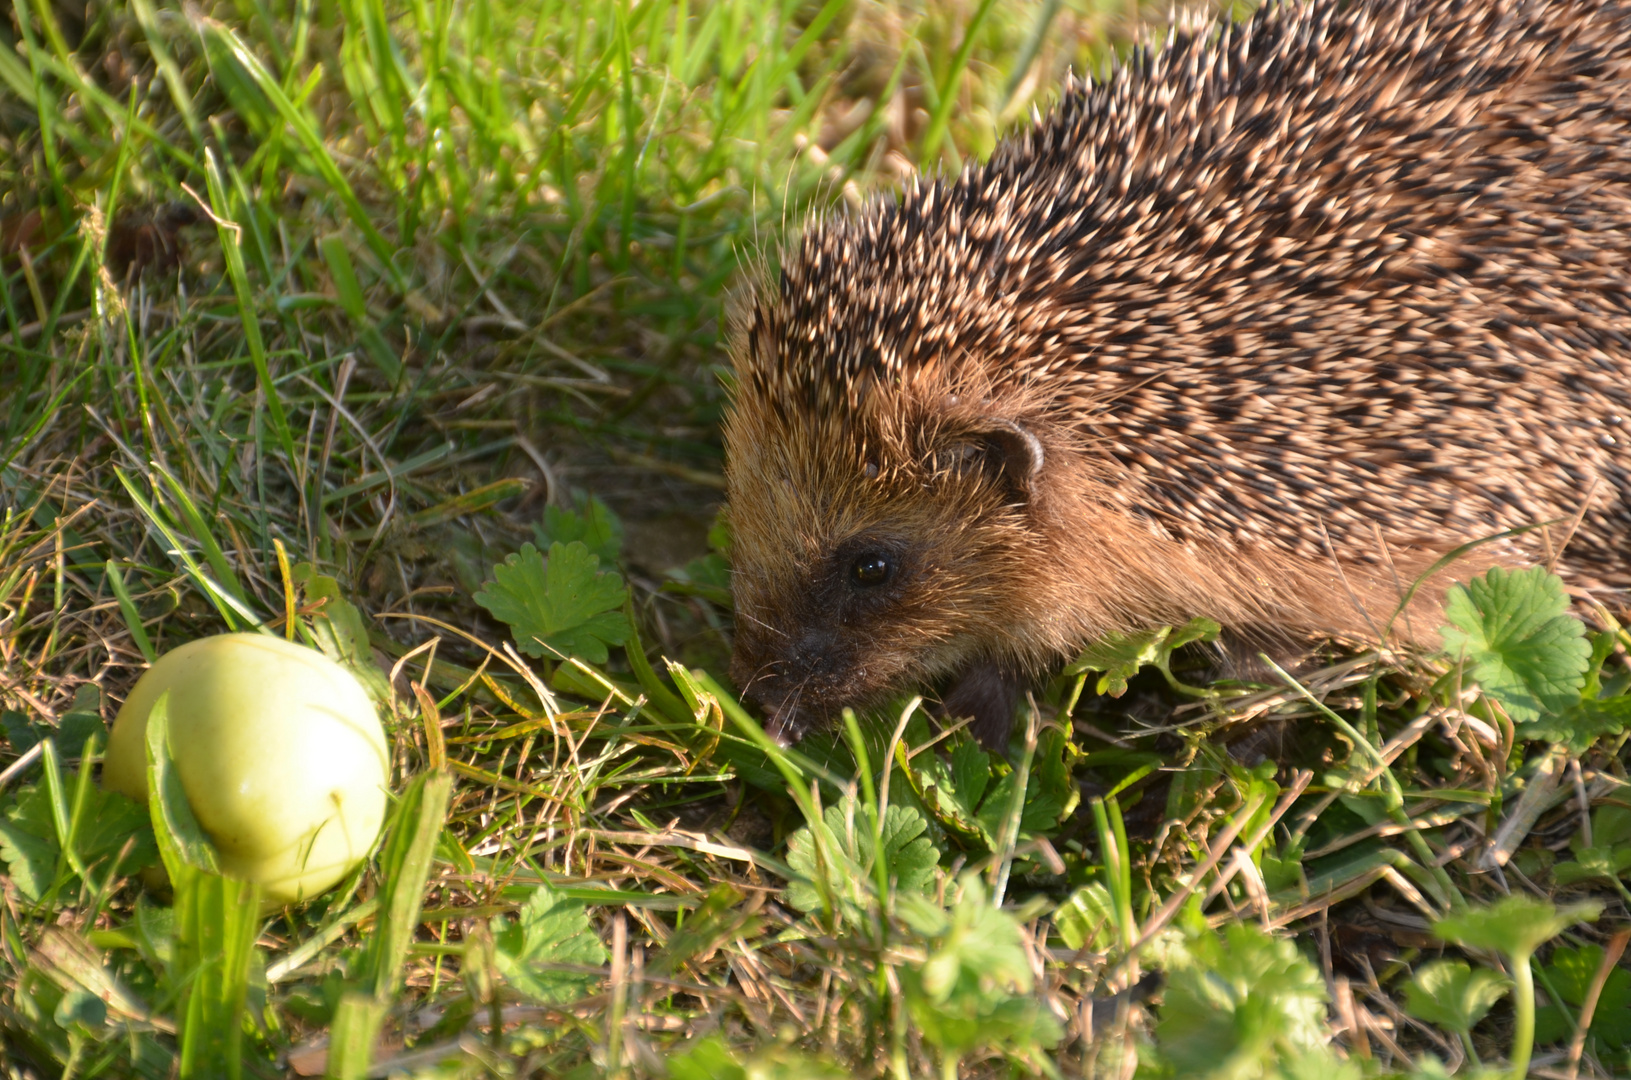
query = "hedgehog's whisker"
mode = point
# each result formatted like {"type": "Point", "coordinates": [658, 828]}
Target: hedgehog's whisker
{"type": "Point", "coordinates": [757, 675]}
{"type": "Point", "coordinates": [760, 622]}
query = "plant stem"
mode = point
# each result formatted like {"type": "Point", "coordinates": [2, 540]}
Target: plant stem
{"type": "Point", "coordinates": [1523, 1009]}
{"type": "Point", "coordinates": [1472, 1054]}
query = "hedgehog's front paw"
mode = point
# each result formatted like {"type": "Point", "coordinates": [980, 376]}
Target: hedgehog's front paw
{"type": "Point", "coordinates": [987, 690]}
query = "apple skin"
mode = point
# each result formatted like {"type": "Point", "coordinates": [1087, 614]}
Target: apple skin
{"type": "Point", "coordinates": [279, 751]}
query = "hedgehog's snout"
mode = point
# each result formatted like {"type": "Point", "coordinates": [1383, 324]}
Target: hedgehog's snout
{"type": "Point", "coordinates": [797, 679]}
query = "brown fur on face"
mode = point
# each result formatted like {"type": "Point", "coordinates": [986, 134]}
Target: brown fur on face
{"type": "Point", "coordinates": [1259, 329]}
{"type": "Point", "coordinates": [924, 486]}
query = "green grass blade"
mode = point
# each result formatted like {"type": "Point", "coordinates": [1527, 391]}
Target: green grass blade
{"type": "Point", "coordinates": [61, 814]}
{"type": "Point", "coordinates": [46, 109]}
{"type": "Point", "coordinates": [1118, 872]}
{"type": "Point", "coordinates": [217, 920]}
{"type": "Point", "coordinates": [174, 81]}
{"type": "Point", "coordinates": [660, 698]}
{"type": "Point", "coordinates": [936, 132]}
{"type": "Point", "coordinates": [182, 843]}
{"type": "Point", "coordinates": [45, 416]}
{"type": "Point", "coordinates": [338, 260]}
{"type": "Point", "coordinates": [228, 232]}
{"type": "Point", "coordinates": [236, 613]}
{"type": "Point", "coordinates": [404, 867]}
{"type": "Point", "coordinates": [200, 531]}
{"type": "Point", "coordinates": [1027, 55]}
{"type": "Point", "coordinates": [76, 814]}
{"type": "Point", "coordinates": [351, 1039]}
{"type": "Point", "coordinates": [132, 617]}
{"type": "Point", "coordinates": [313, 144]}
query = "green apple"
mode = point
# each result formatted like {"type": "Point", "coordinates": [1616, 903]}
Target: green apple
{"type": "Point", "coordinates": [279, 752]}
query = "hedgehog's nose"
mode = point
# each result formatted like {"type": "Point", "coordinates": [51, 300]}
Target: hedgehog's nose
{"type": "Point", "coordinates": [811, 654]}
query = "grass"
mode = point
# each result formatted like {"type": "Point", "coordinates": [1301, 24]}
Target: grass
{"type": "Point", "coordinates": [310, 317]}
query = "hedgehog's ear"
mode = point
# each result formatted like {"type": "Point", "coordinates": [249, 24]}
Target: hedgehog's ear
{"type": "Point", "coordinates": [1015, 455]}
{"type": "Point", "coordinates": [1002, 449]}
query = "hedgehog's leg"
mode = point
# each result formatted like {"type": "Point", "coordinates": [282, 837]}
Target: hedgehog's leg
{"type": "Point", "coordinates": [988, 691]}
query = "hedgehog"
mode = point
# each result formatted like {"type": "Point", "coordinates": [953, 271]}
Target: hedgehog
{"type": "Point", "coordinates": [1263, 327]}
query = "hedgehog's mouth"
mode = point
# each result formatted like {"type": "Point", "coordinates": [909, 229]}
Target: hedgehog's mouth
{"type": "Point", "coordinates": [985, 690]}
{"type": "Point", "coordinates": [793, 712]}
{"type": "Point", "coordinates": [786, 725]}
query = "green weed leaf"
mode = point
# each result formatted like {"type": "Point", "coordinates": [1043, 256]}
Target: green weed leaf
{"type": "Point", "coordinates": [1321, 1063]}
{"type": "Point", "coordinates": [1453, 995]}
{"type": "Point", "coordinates": [845, 861]}
{"type": "Point", "coordinates": [712, 1059]}
{"type": "Point", "coordinates": [1611, 825]}
{"type": "Point", "coordinates": [1515, 926]}
{"type": "Point", "coordinates": [961, 796]}
{"type": "Point", "coordinates": [592, 522]}
{"type": "Point", "coordinates": [1042, 807]}
{"type": "Point", "coordinates": [76, 725]}
{"type": "Point", "coordinates": [1282, 870]}
{"type": "Point", "coordinates": [21, 732]}
{"type": "Point", "coordinates": [28, 837]}
{"type": "Point", "coordinates": [1593, 864]}
{"type": "Point", "coordinates": [1524, 648]}
{"type": "Point", "coordinates": [708, 577]}
{"type": "Point", "coordinates": [1429, 1067]}
{"type": "Point", "coordinates": [1608, 858]}
{"type": "Point", "coordinates": [970, 772]}
{"type": "Point", "coordinates": [567, 607]}
{"type": "Point", "coordinates": [706, 1059]}
{"type": "Point", "coordinates": [952, 791]}
{"type": "Point", "coordinates": [1571, 972]}
{"type": "Point", "coordinates": [1087, 918]}
{"type": "Point", "coordinates": [1119, 657]}
{"type": "Point", "coordinates": [549, 929]}
{"type": "Point", "coordinates": [76, 728]}
{"type": "Point", "coordinates": [28, 841]}
{"type": "Point", "coordinates": [1236, 1002]}
{"type": "Point", "coordinates": [81, 1010]}
{"type": "Point", "coordinates": [1581, 724]}
{"type": "Point", "coordinates": [982, 943]}
{"type": "Point", "coordinates": [340, 629]}
{"type": "Point", "coordinates": [972, 990]}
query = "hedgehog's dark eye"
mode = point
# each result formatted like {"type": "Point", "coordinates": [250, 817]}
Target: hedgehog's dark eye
{"type": "Point", "coordinates": [871, 568]}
